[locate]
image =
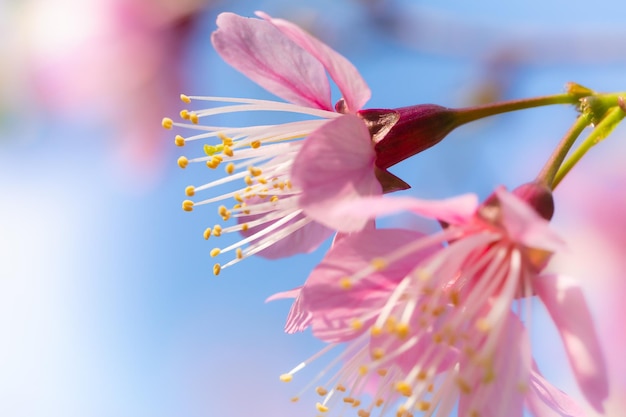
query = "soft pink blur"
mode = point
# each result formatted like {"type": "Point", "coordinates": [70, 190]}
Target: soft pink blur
{"type": "Point", "coordinates": [112, 64]}
{"type": "Point", "coordinates": [591, 203]}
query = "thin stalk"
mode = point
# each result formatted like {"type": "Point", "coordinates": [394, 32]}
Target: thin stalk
{"type": "Point", "coordinates": [470, 114]}
{"type": "Point", "coordinates": [612, 118]}
{"type": "Point", "coordinates": [552, 165]}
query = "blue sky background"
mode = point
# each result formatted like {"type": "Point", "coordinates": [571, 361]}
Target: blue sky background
{"type": "Point", "coordinates": [108, 306]}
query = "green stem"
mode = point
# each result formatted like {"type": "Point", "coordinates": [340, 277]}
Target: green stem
{"type": "Point", "coordinates": [470, 114]}
{"type": "Point", "coordinates": [550, 169]}
{"type": "Point", "coordinates": [612, 118]}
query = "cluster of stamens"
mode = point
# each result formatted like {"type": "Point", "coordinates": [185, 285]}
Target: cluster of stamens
{"type": "Point", "coordinates": [261, 157]}
{"type": "Point", "coordinates": [432, 315]}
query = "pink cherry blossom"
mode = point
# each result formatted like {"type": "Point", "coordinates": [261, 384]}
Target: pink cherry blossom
{"type": "Point", "coordinates": [433, 321]}
{"type": "Point", "coordinates": [276, 162]}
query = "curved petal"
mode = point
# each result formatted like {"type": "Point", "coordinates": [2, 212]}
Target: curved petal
{"type": "Point", "coordinates": [352, 86]}
{"type": "Point", "coordinates": [567, 306]}
{"type": "Point", "coordinates": [333, 306]}
{"type": "Point", "coordinates": [269, 58]}
{"type": "Point", "coordinates": [456, 210]}
{"type": "Point", "coordinates": [336, 164]}
{"type": "Point", "coordinates": [545, 400]}
{"type": "Point", "coordinates": [293, 293]}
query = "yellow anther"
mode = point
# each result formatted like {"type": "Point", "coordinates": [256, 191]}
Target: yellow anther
{"type": "Point", "coordinates": [321, 408]}
{"type": "Point", "coordinates": [286, 377]}
{"type": "Point", "coordinates": [454, 297]}
{"type": "Point", "coordinates": [438, 311]}
{"type": "Point", "coordinates": [404, 388]}
{"type": "Point", "coordinates": [261, 180]}
{"type": "Point", "coordinates": [288, 184]}
{"type": "Point", "coordinates": [356, 403]}
{"type": "Point", "coordinates": [340, 388]}
{"type": "Point", "coordinates": [422, 375]}
{"type": "Point", "coordinates": [190, 191]}
{"type": "Point", "coordinates": [167, 123]}
{"type": "Point", "coordinates": [179, 140]}
{"type": "Point", "coordinates": [274, 199]}
{"type": "Point", "coordinates": [463, 386]}
{"type": "Point", "coordinates": [183, 162]}
{"type": "Point", "coordinates": [423, 275]}
{"type": "Point", "coordinates": [193, 117]}
{"type": "Point", "coordinates": [382, 371]}
{"type": "Point", "coordinates": [363, 413]}
{"type": "Point", "coordinates": [185, 99]}
{"type": "Point", "coordinates": [212, 164]}
{"type": "Point", "coordinates": [348, 400]}
{"type": "Point", "coordinates": [248, 180]}
{"type": "Point", "coordinates": [345, 283]}
{"type": "Point", "coordinates": [228, 151]}
{"type": "Point", "coordinates": [226, 141]}
{"type": "Point", "coordinates": [244, 226]}
{"type": "Point", "coordinates": [214, 252]}
{"type": "Point", "coordinates": [207, 233]}
{"type": "Point", "coordinates": [239, 253]}
{"type": "Point", "coordinates": [376, 331]}
{"type": "Point", "coordinates": [379, 264]}
{"type": "Point", "coordinates": [217, 230]}
{"type": "Point", "coordinates": [255, 144]}
{"type": "Point", "coordinates": [423, 406]}
{"type": "Point", "coordinates": [378, 353]}
{"type": "Point", "coordinates": [363, 370]}
{"type": "Point", "coordinates": [254, 171]}
{"type": "Point", "coordinates": [437, 338]}
{"type": "Point", "coordinates": [184, 114]}
{"type": "Point", "coordinates": [321, 391]}
{"type": "Point", "coordinates": [217, 268]}
{"type": "Point", "coordinates": [295, 399]}
{"type": "Point", "coordinates": [402, 330]}
{"type": "Point", "coordinates": [356, 324]}
{"type": "Point", "coordinates": [483, 325]}
{"type": "Point", "coordinates": [390, 324]}
{"type": "Point", "coordinates": [221, 210]}
{"type": "Point", "coordinates": [379, 402]}
{"type": "Point", "coordinates": [188, 205]}
{"type": "Point", "coordinates": [230, 168]}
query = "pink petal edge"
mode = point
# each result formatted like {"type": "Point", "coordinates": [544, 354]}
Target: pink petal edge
{"type": "Point", "coordinates": [265, 55]}
{"type": "Point", "coordinates": [566, 304]}
{"type": "Point", "coordinates": [352, 86]}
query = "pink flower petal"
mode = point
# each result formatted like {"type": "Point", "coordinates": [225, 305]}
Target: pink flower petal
{"type": "Point", "coordinates": [352, 86]}
{"type": "Point", "coordinates": [545, 400]}
{"type": "Point", "coordinates": [456, 210]}
{"type": "Point", "coordinates": [266, 56]}
{"type": "Point", "coordinates": [284, 294]}
{"type": "Point", "coordinates": [525, 226]}
{"type": "Point", "coordinates": [567, 306]}
{"type": "Point", "coordinates": [336, 164]}
{"type": "Point", "coordinates": [333, 307]}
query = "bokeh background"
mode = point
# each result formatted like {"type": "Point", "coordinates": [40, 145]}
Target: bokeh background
{"type": "Point", "coordinates": [108, 306]}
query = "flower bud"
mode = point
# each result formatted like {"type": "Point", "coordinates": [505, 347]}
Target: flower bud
{"type": "Point", "coordinates": [401, 133]}
{"type": "Point", "coordinates": [538, 196]}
